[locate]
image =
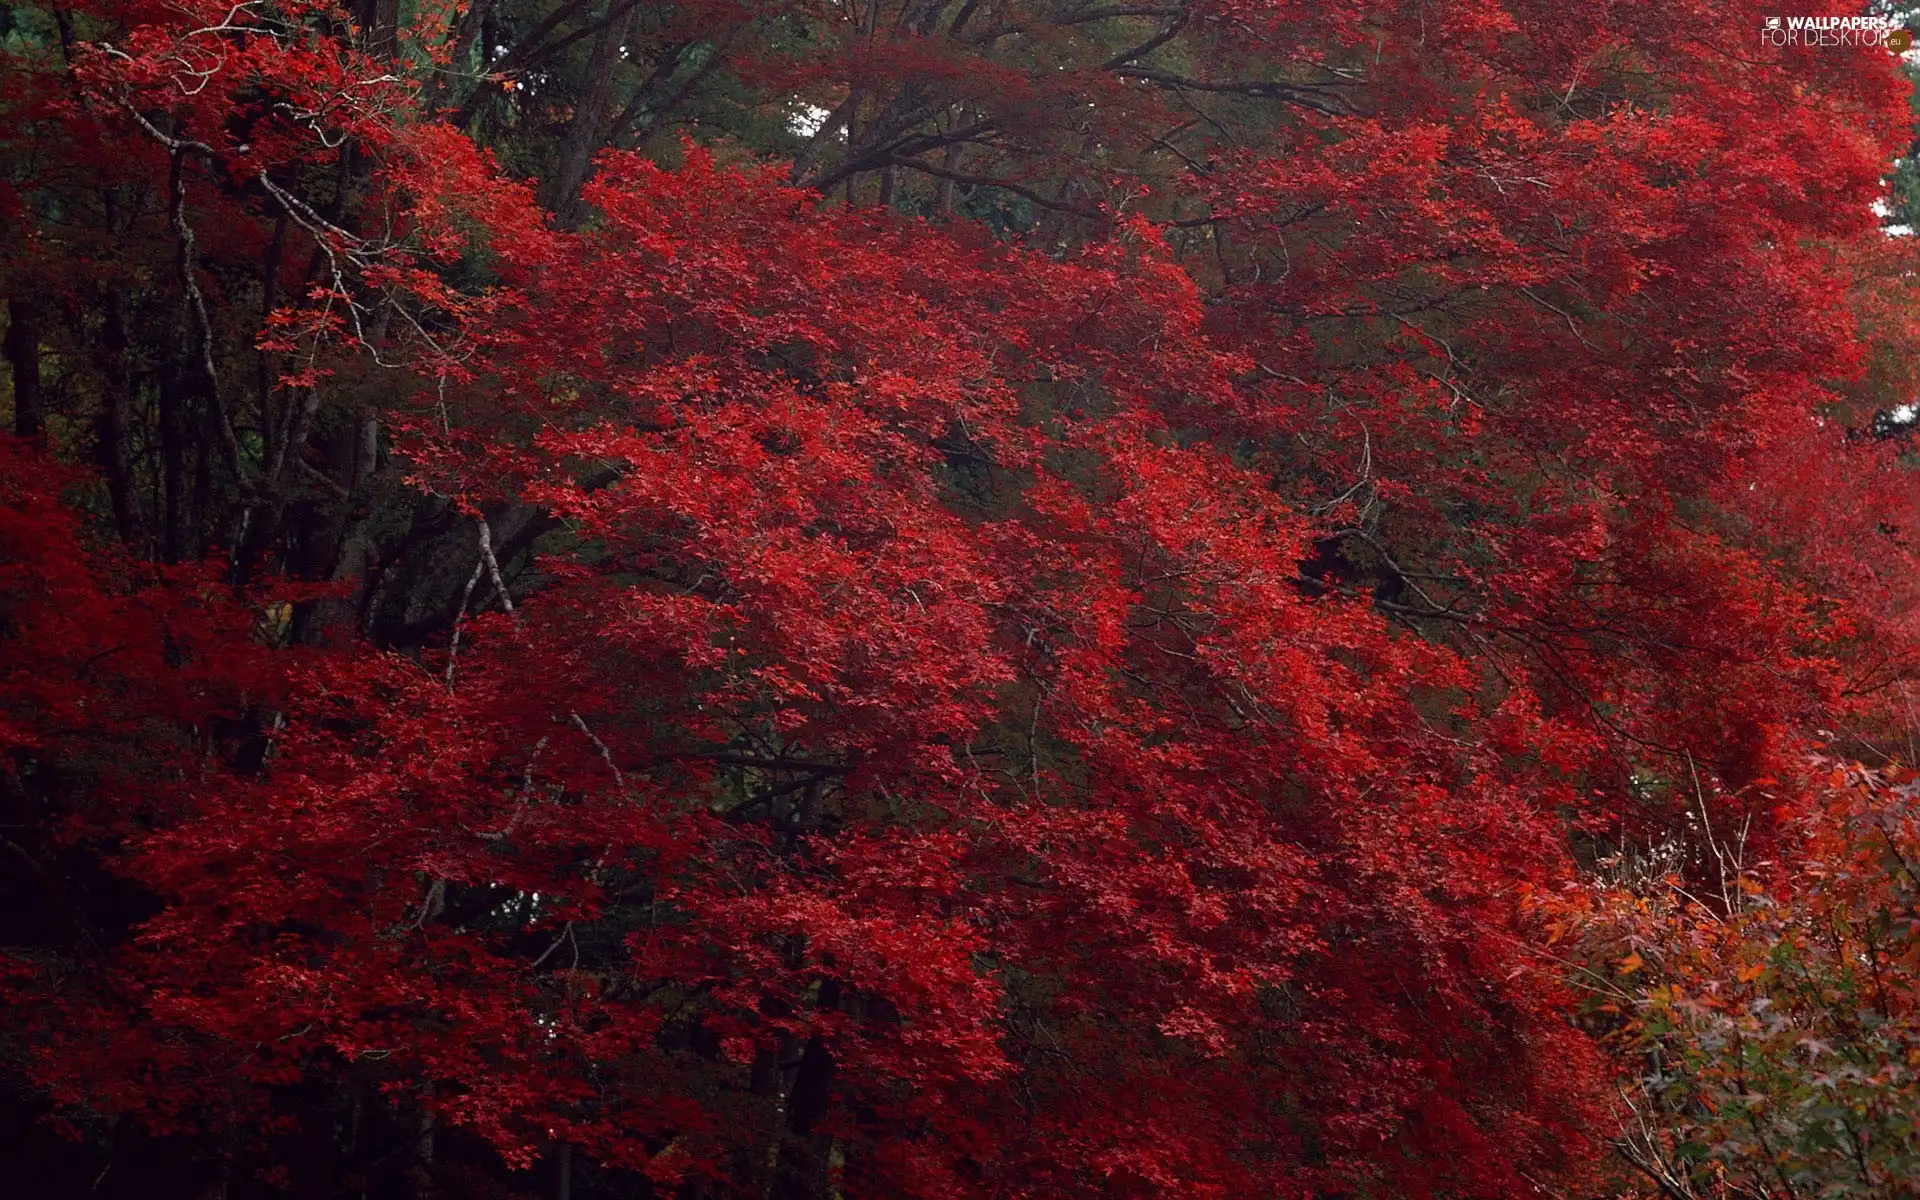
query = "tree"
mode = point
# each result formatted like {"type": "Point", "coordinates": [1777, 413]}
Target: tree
{"type": "Point", "coordinates": [1771, 1017]}
{"type": "Point", "coordinates": [1019, 643]}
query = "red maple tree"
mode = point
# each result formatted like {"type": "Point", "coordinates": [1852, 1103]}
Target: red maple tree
{"type": "Point", "coordinates": [900, 704]}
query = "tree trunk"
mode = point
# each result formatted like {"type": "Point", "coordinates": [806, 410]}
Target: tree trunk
{"type": "Point", "coordinates": [420, 1170]}
{"type": "Point", "coordinates": [950, 159]}
{"type": "Point", "coordinates": [379, 26]}
{"type": "Point", "coordinates": [23, 351]}
{"type": "Point", "coordinates": [115, 454]}
{"type": "Point", "coordinates": [585, 134]}
{"type": "Point", "coordinates": [175, 502]}
{"type": "Point", "coordinates": [265, 381]}
{"type": "Point", "coordinates": [338, 546]}
{"type": "Point", "coordinates": [804, 1155]}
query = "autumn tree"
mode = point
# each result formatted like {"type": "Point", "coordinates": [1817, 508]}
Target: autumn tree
{"type": "Point", "coordinates": [1769, 1016]}
{"type": "Point", "coordinates": [928, 599]}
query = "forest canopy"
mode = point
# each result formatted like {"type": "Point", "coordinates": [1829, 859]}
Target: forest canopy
{"type": "Point", "coordinates": [958, 598]}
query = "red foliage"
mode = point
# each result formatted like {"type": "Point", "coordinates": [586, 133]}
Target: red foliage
{"type": "Point", "coordinates": [106, 652]}
{"type": "Point", "coordinates": [991, 722]}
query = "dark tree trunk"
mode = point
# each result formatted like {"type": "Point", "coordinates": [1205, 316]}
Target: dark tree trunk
{"type": "Point", "coordinates": [803, 1163]}
{"type": "Point", "coordinates": [115, 454]}
{"type": "Point", "coordinates": [23, 351]}
{"type": "Point", "coordinates": [379, 24]}
{"type": "Point", "coordinates": [339, 547]}
{"type": "Point", "coordinates": [588, 131]}
{"type": "Point", "coordinates": [264, 361]}
{"type": "Point", "coordinates": [175, 501]}
{"type": "Point", "coordinates": [203, 494]}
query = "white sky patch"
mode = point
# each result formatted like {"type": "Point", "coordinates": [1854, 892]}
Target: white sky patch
{"type": "Point", "coordinates": [806, 119]}
{"type": "Point", "coordinates": [1883, 210]}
